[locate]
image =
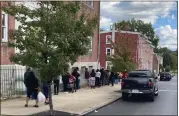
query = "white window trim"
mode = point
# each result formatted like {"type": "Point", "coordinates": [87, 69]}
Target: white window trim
{"type": "Point", "coordinates": [107, 42]}
{"type": "Point", "coordinates": [110, 51]}
{"type": "Point", "coordinates": [5, 39]}
{"type": "Point", "coordinates": [91, 42]}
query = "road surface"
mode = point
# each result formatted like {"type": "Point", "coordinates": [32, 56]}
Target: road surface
{"type": "Point", "coordinates": [165, 103]}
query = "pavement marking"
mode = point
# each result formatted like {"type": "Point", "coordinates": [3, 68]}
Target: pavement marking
{"type": "Point", "coordinates": [169, 90]}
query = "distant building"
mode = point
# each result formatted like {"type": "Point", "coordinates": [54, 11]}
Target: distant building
{"type": "Point", "coordinates": [140, 48]}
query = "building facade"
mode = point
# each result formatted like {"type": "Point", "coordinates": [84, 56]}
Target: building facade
{"type": "Point", "coordinates": [140, 48]}
{"type": "Point", "coordinates": [8, 23]}
{"type": "Point", "coordinates": [91, 59]}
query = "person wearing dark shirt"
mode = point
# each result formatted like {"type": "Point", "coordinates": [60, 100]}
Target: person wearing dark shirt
{"type": "Point", "coordinates": [92, 79]}
{"type": "Point", "coordinates": [76, 75]}
{"type": "Point", "coordinates": [87, 76]}
{"type": "Point", "coordinates": [102, 77]}
{"type": "Point", "coordinates": [26, 74]}
{"type": "Point", "coordinates": [65, 80]}
{"type": "Point", "coordinates": [111, 78]}
{"type": "Point", "coordinates": [32, 84]}
{"type": "Point", "coordinates": [56, 86]}
{"type": "Point", "coordinates": [45, 91]}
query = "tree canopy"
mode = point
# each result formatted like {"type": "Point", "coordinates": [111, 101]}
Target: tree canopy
{"type": "Point", "coordinates": [50, 36]}
{"type": "Point", "coordinates": [122, 58]}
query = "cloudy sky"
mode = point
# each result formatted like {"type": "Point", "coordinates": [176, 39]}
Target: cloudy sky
{"type": "Point", "coordinates": [162, 15]}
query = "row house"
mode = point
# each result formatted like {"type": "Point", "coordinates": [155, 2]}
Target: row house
{"type": "Point", "coordinates": [7, 24]}
{"type": "Point", "coordinates": [140, 48]}
{"type": "Point", "coordinates": [90, 60]}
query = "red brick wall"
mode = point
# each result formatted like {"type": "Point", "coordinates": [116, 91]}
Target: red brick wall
{"type": "Point", "coordinates": [92, 11]}
{"type": "Point", "coordinates": [6, 52]}
{"type": "Point", "coordinates": [128, 39]}
{"type": "Point", "coordinates": [103, 47]}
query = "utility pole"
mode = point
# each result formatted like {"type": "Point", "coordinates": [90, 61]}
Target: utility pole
{"type": "Point", "coordinates": [0, 32]}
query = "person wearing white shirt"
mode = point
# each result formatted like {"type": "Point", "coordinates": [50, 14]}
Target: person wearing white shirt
{"type": "Point", "coordinates": [97, 77]}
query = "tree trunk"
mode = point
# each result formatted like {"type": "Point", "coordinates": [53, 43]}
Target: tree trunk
{"type": "Point", "coordinates": [50, 99]}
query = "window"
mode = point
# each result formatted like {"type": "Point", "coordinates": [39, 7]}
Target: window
{"type": "Point", "coordinates": [91, 43]}
{"type": "Point", "coordinates": [4, 27]}
{"type": "Point", "coordinates": [108, 51]}
{"type": "Point", "coordinates": [108, 39]}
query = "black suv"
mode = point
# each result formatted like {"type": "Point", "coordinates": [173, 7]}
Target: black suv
{"type": "Point", "coordinates": [140, 82]}
{"type": "Point", "coordinates": [165, 76]}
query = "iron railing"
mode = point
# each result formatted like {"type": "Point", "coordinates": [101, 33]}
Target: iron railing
{"type": "Point", "coordinates": [12, 82]}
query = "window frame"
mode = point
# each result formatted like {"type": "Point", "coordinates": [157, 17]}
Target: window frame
{"type": "Point", "coordinates": [107, 51]}
{"type": "Point", "coordinates": [108, 42]}
{"type": "Point", "coordinates": [4, 27]}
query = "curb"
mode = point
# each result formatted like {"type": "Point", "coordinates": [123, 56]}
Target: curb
{"type": "Point", "coordinates": [99, 107]}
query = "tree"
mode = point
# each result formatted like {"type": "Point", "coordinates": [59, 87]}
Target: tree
{"type": "Point", "coordinates": [56, 35]}
{"type": "Point", "coordinates": [139, 26]}
{"type": "Point", "coordinates": [174, 59]}
{"type": "Point", "coordinates": [167, 61]}
{"type": "Point", "coordinates": [122, 59]}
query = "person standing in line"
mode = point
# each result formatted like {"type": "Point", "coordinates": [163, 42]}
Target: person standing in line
{"type": "Point", "coordinates": [97, 77]}
{"type": "Point", "coordinates": [45, 91]}
{"type": "Point", "coordinates": [92, 79]}
{"type": "Point", "coordinates": [102, 77]}
{"type": "Point", "coordinates": [65, 79]}
{"type": "Point", "coordinates": [87, 76]}
{"type": "Point", "coordinates": [106, 77]}
{"type": "Point", "coordinates": [32, 84]}
{"type": "Point", "coordinates": [111, 78]}
{"type": "Point", "coordinates": [56, 85]}
{"type": "Point", "coordinates": [26, 74]}
{"type": "Point", "coordinates": [76, 75]}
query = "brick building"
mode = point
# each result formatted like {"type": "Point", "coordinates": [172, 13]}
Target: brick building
{"type": "Point", "coordinates": [91, 59]}
{"type": "Point", "coordinates": [8, 23]}
{"type": "Point", "coordinates": [140, 48]}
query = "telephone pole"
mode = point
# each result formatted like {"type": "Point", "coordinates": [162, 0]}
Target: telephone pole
{"type": "Point", "coordinates": [0, 32]}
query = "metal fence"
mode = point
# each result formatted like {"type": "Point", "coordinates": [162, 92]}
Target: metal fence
{"type": "Point", "coordinates": [12, 82]}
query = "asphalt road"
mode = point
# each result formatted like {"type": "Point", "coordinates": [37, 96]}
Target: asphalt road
{"type": "Point", "coordinates": [165, 103]}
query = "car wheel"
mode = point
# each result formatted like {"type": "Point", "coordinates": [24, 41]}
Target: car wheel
{"type": "Point", "coordinates": [151, 97]}
{"type": "Point", "coordinates": [124, 96]}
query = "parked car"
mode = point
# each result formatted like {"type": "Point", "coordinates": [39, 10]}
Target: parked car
{"type": "Point", "coordinates": [140, 82]}
{"type": "Point", "coordinates": [165, 76]}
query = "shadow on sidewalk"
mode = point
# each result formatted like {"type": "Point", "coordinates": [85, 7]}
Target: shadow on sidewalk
{"type": "Point", "coordinates": [56, 113]}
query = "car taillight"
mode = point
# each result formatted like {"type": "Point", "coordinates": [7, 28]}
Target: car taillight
{"type": "Point", "coordinates": [150, 84]}
{"type": "Point", "coordinates": [122, 84]}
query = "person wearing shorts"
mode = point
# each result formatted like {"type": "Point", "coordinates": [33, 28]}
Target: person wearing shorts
{"type": "Point", "coordinates": [32, 85]}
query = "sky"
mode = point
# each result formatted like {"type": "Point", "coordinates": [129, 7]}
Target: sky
{"type": "Point", "coordinates": [162, 15]}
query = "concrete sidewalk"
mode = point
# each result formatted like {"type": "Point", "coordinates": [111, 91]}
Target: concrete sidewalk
{"type": "Point", "coordinates": [81, 102]}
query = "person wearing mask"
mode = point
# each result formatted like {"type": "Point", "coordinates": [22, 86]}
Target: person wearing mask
{"type": "Point", "coordinates": [45, 85]}
{"type": "Point", "coordinates": [111, 78]}
{"type": "Point", "coordinates": [76, 74]}
{"type": "Point", "coordinates": [92, 79]}
{"type": "Point", "coordinates": [32, 84]}
{"type": "Point", "coordinates": [97, 77]}
{"type": "Point", "coordinates": [56, 85]}
{"type": "Point", "coordinates": [102, 76]}
{"type": "Point", "coordinates": [87, 76]}
{"type": "Point", "coordinates": [65, 80]}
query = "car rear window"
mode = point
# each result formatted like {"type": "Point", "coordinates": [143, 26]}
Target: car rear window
{"type": "Point", "coordinates": [137, 75]}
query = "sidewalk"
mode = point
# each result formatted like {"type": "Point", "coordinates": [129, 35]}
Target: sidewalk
{"type": "Point", "coordinates": [80, 102]}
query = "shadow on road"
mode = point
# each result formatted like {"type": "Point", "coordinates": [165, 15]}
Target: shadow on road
{"type": "Point", "coordinates": [139, 99]}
